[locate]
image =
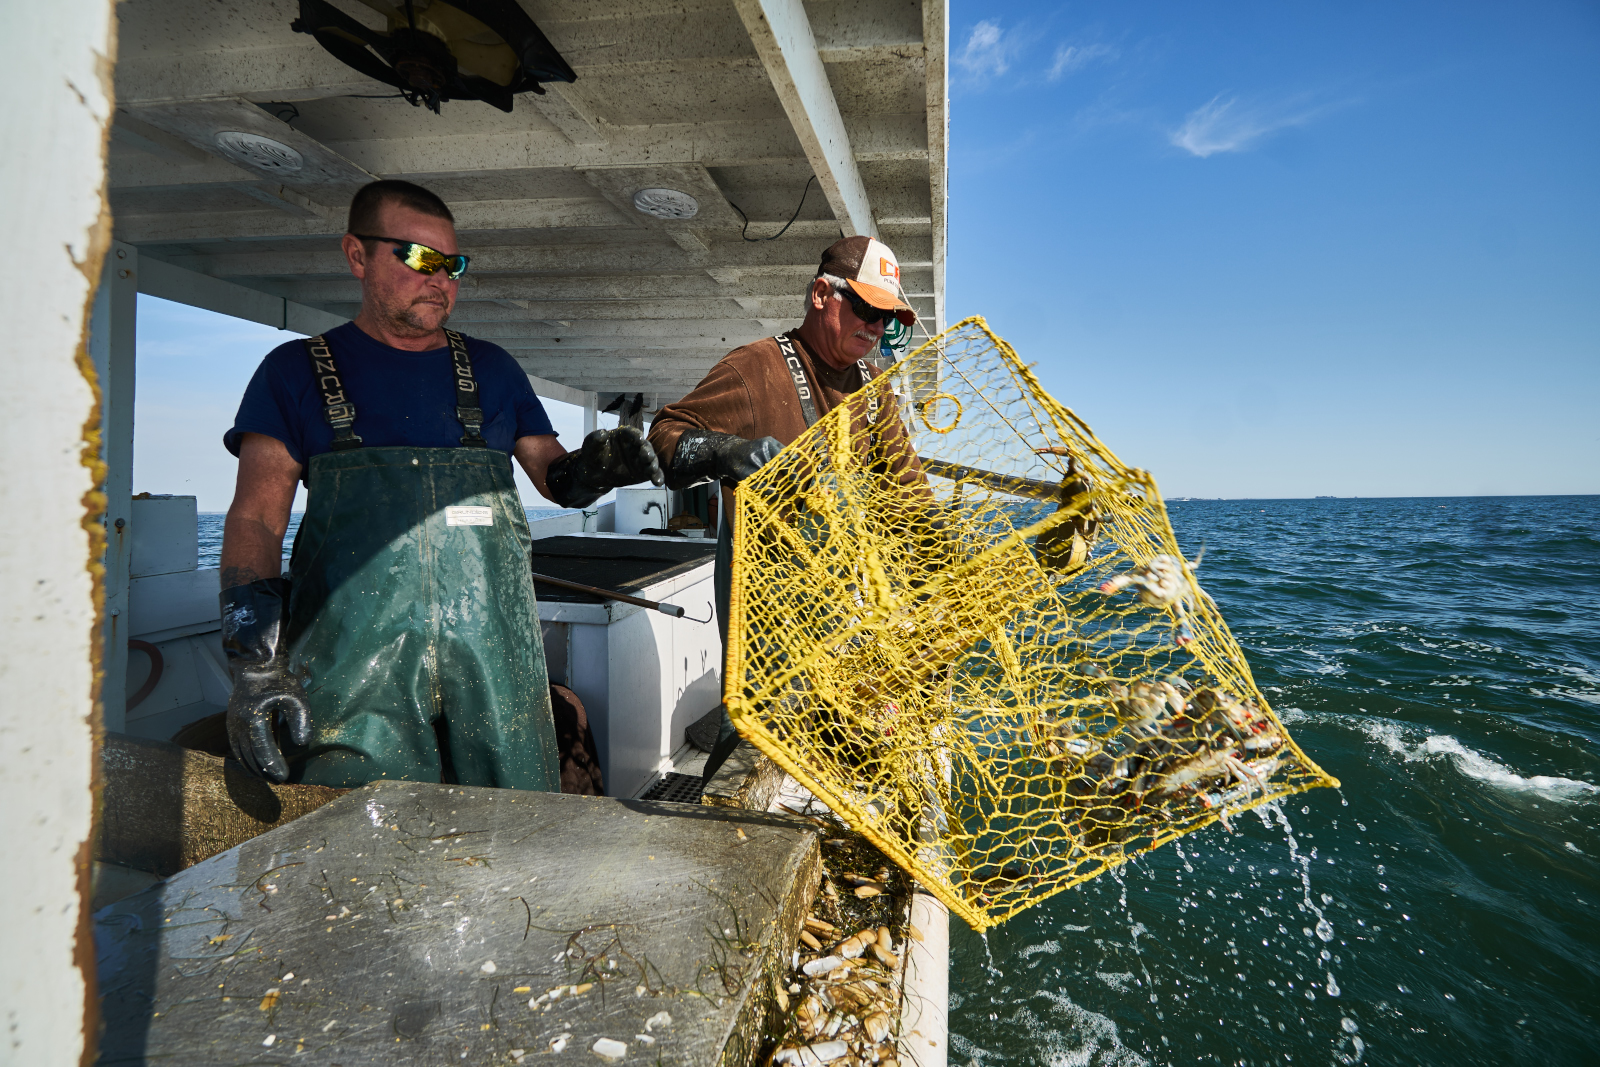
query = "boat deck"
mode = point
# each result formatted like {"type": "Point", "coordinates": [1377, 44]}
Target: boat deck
{"type": "Point", "coordinates": [411, 924]}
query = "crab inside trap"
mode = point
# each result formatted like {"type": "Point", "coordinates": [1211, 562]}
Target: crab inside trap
{"type": "Point", "coordinates": [963, 623]}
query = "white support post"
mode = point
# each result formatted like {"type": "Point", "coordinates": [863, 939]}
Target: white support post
{"type": "Point", "coordinates": [111, 346]}
{"type": "Point", "coordinates": [53, 176]}
{"type": "Point", "coordinates": [782, 36]}
{"type": "Point", "coordinates": [936, 74]}
{"type": "Point", "coordinates": [591, 423]}
{"type": "Point", "coordinates": [925, 1010]}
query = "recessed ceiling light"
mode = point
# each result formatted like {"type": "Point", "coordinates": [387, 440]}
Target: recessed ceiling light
{"type": "Point", "coordinates": [260, 152]}
{"type": "Point", "coordinates": [666, 204]}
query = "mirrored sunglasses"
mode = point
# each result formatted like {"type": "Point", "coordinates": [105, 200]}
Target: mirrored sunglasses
{"type": "Point", "coordinates": [421, 258]}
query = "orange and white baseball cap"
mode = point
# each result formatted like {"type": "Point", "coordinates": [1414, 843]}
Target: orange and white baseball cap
{"type": "Point", "coordinates": [872, 271]}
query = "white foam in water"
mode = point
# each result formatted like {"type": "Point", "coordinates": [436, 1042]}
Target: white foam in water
{"type": "Point", "coordinates": [1048, 946]}
{"type": "Point", "coordinates": [962, 1047]}
{"type": "Point", "coordinates": [1091, 1038]}
{"type": "Point", "coordinates": [1474, 764]}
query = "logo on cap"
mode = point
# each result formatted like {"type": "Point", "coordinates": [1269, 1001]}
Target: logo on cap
{"type": "Point", "coordinates": [887, 268]}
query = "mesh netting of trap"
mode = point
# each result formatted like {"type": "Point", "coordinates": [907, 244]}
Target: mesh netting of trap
{"type": "Point", "coordinates": [966, 626]}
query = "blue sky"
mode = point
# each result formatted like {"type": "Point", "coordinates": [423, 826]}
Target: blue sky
{"type": "Point", "coordinates": [1293, 249]}
{"type": "Point", "coordinates": [1264, 249]}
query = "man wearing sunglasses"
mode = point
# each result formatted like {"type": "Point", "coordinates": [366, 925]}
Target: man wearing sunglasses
{"type": "Point", "coordinates": [407, 643]}
{"type": "Point", "coordinates": [758, 398]}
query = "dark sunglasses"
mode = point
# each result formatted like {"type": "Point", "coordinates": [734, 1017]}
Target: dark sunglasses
{"type": "Point", "coordinates": [862, 310]}
{"type": "Point", "coordinates": [421, 258]}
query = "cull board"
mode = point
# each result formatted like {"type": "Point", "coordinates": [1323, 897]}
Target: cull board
{"type": "Point", "coordinates": [411, 924]}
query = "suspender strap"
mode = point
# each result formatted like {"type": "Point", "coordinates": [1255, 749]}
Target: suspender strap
{"type": "Point", "coordinates": [467, 409]}
{"type": "Point", "coordinates": [336, 406]}
{"type": "Point", "coordinates": [872, 397]}
{"type": "Point", "coordinates": [802, 385]}
{"type": "Point", "coordinates": [808, 406]}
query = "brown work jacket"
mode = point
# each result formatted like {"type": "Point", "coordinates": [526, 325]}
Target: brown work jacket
{"type": "Point", "coordinates": [750, 393]}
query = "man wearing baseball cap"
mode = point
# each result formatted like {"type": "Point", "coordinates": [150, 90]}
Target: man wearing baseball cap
{"type": "Point", "coordinates": [761, 397]}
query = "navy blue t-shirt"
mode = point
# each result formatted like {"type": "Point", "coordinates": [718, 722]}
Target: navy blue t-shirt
{"type": "Point", "coordinates": [401, 398]}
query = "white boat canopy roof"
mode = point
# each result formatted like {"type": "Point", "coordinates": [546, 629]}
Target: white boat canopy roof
{"type": "Point", "coordinates": [734, 102]}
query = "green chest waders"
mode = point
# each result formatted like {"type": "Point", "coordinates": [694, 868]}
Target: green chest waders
{"type": "Point", "coordinates": [412, 617]}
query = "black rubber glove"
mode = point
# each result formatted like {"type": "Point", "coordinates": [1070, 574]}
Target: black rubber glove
{"type": "Point", "coordinates": [608, 459]}
{"type": "Point", "coordinates": [706, 454]}
{"type": "Point", "coordinates": [253, 625]}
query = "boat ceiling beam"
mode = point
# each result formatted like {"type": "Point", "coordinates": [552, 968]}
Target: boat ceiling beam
{"type": "Point", "coordinates": [883, 138]}
{"type": "Point", "coordinates": [199, 122]}
{"type": "Point", "coordinates": [654, 380]}
{"type": "Point", "coordinates": [182, 286]}
{"type": "Point", "coordinates": [553, 213]}
{"type": "Point", "coordinates": [890, 138]}
{"type": "Point", "coordinates": [914, 251]}
{"type": "Point", "coordinates": [782, 35]}
{"type": "Point", "coordinates": [688, 310]}
{"type": "Point", "coordinates": [551, 390]}
{"type": "Point", "coordinates": [780, 310]}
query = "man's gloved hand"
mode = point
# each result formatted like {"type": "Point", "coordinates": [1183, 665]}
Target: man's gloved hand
{"type": "Point", "coordinates": [706, 454]}
{"type": "Point", "coordinates": [253, 625]}
{"type": "Point", "coordinates": [607, 459]}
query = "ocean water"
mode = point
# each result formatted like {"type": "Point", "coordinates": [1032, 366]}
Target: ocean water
{"type": "Point", "coordinates": [210, 525]}
{"type": "Point", "coordinates": [1442, 658]}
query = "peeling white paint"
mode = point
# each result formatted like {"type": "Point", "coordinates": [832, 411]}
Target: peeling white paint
{"type": "Point", "coordinates": [52, 178]}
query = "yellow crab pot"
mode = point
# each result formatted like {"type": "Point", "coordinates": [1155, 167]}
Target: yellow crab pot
{"type": "Point", "coordinates": [966, 626]}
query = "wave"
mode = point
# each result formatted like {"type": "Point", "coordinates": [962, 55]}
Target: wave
{"type": "Point", "coordinates": [1467, 760]}
{"type": "Point", "coordinates": [1475, 764]}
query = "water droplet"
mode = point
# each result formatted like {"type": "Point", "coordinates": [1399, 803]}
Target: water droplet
{"type": "Point", "coordinates": [1325, 929]}
{"type": "Point", "coordinates": [1327, 899]}
{"type": "Point", "coordinates": [1333, 986]}
{"type": "Point", "coordinates": [1348, 1025]}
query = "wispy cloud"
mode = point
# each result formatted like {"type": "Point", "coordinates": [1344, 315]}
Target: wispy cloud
{"type": "Point", "coordinates": [986, 53]}
{"type": "Point", "coordinates": [1225, 124]}
{"type": "Point", "coordinates": [1075, 57]}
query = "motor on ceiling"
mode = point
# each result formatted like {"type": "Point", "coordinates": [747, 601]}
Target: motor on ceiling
{"type": "Point", "coordinates": [433, 51]}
